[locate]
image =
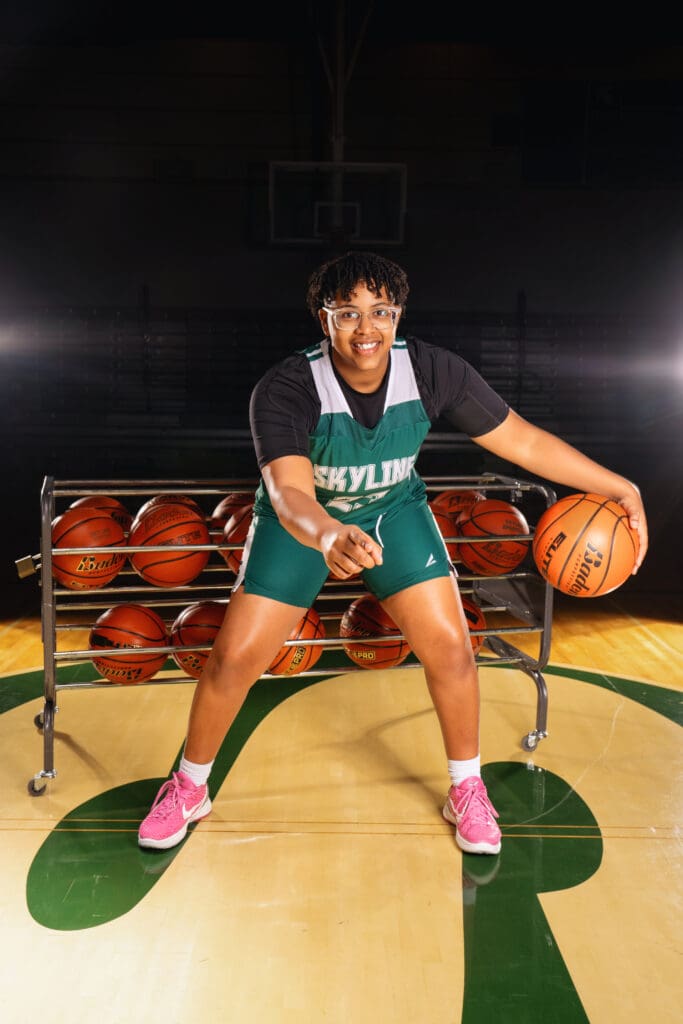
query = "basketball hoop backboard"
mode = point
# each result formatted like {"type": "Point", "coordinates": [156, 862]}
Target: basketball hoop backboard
{"type": "Point", "coordinates": [313, 203]}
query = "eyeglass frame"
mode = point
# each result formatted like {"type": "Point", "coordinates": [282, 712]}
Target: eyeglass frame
{"type": "Point", "coordinates": [394, 310]}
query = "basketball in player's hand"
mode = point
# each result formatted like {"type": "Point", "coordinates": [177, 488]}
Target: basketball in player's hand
{"type": "Point", "coordinates": [584, 545]}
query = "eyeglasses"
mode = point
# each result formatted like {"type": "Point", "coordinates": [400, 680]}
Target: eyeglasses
{"type": "Point", "coordinates": [381, 317]}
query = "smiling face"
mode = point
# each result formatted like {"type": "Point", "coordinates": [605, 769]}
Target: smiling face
{"type": "Point", "coordinates": [360, 350]}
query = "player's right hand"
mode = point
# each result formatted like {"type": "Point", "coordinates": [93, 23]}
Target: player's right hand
{"type": "Point", "coordinates": [348, 549]}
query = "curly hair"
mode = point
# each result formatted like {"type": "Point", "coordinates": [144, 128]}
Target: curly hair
{"type": "Point", "coordinates": [341, 275]}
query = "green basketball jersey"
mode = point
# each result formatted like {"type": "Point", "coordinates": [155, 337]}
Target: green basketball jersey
{"type": "Point", "coordinates": [356, 467]}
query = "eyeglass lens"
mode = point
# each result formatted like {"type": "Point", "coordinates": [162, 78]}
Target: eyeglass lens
{"type": "Point", "coordinates": [350, 318]}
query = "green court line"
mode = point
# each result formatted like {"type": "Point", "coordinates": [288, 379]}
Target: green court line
{"type": "Point", "coordinates": [59, 888]}
{"type": "Point", "coordinates": [668, 703]}
{"type": "Point", "coordinates": [514, 968]}
{"type": "Point", "coordinates": [25, 686]}
{"type": "Point", "coordinates": [84, 876]}
{"type": "Point", "coordinates": [60, 893]}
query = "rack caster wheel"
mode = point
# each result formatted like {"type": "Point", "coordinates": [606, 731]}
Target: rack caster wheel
{"type": "Point", "coordinates": [38, 722]}
{"type": "Point", "coordinates": [35, 789]}
{"type": "Point", "coordinates": [530, 741]}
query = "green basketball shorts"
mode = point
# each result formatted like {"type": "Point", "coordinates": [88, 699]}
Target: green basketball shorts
{"type": "Point", "coordinates": [276, 565]}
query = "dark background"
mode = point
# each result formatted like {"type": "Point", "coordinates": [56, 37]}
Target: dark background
{"type": "Point", "coordinates": [144, 286]}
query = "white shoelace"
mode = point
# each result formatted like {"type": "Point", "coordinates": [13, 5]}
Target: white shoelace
{"type": "Point", "coordinates": [167, 798]}
{"type": "Point", "coordinates": [479, 807]}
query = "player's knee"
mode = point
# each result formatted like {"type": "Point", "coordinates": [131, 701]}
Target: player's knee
{"type": "Point", "coordinates": [451, 652]}
{"type": "Point", "coordinates": [234, 669]}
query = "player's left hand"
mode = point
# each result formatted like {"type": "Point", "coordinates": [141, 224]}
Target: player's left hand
{"type": "Point", "coordinates": [633, 504]}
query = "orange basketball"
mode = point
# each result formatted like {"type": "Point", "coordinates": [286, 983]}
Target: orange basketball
{"type": "Point", "coordinates": [584, 546]}
{"type": "Point", "coordinates": [128, 627]}
{"type": "Point", "coordinates": [475, 620]}
{"type": "Point", "coordinates": [235, 532]}
{"type": "Point", "coordinates": [491, 518]}
{"type": "Point", "coordinates": [224, 509]}
{"type": "Point", "coordinates": [104, 503]}
{"type": "Point", "coordinates": [366, 619]}
{"type": "Point", "coordinates": [447, 507]}
{"type": "Point", "coordinates": [447, 527]}
{"type": "Point", "coordinates": [169, 525]}
{"type": "Point", "coordinates": [166, 499]}
{"type": "Point", "coordinates": [453, 502]}
{"type": "Point", "coordinates": [86, 528]}
{"type": "Point", "coordinates": [300, 657]}
{"type": "Point", "coordinates": [197, 624]}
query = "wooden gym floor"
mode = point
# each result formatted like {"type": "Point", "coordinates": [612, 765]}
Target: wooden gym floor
{"type": "Point", "coordinates": [325, 886]}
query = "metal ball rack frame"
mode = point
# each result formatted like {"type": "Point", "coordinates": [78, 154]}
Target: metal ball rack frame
{"type": "Point", "coordinates": [522, 596]}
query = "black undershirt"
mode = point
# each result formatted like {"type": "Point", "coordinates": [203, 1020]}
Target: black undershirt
{"type": "Point", "coordinates": [366, 407]}
{"type": "Point", "coordinates": [284, 407]}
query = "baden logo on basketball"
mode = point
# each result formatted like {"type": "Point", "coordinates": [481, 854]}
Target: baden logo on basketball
{"type": "Point", "coordinates": [89, 563]}
{"type": "Point", "coordinates": [119, 673]}
{"type": "Point", "coordinates": [125, 675]}
{"type": "Point", "coordinates": [592, 559]}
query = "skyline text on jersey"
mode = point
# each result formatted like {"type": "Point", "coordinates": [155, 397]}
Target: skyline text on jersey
{"type": "Point", "coordinates": [356, 478]}
{"type": "Point", "coordinates": [373, 477]}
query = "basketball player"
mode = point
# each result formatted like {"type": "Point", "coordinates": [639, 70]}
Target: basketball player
{"type": "Point", "coordinates": [337, 430]}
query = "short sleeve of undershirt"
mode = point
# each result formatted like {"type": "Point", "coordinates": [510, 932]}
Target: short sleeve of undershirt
{"type": "Point", "coordinates": [451, 387]}
{"type": "Point", "coordinates": [283, 410]}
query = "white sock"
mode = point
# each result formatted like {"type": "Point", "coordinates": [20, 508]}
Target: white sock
{"type": "Point", "coordinates": [461, 770]}
{"type": "Point", "coordinates": [198, 773]}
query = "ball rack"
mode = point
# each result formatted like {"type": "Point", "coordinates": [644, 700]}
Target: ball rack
{"type": "Point", "coordinates": [522, 596]}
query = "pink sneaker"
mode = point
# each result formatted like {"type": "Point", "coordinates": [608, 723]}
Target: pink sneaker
{"type": "Point", "coordinates": [468, 808]}
{"type": "Point", "coordinates": [179, 802]}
